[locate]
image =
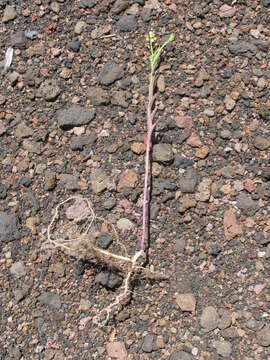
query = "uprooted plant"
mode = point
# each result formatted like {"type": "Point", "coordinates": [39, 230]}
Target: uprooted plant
{"type": "Point", "coordinates": [81, 242]}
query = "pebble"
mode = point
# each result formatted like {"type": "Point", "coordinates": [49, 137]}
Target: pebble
{"type": "Point", "coordinates": [70, 182]}
{"type": "Point", "coordinates": [224, 348]}
{"type": "Point", "coordinates": [110, 73]}
{"type": "Point", "coordinates": [127, 23]}
{"type": "Point", "coordinates": [246, 204]}
{"type": "Point", "coordinates": [186, 302]}
{"type": "Point", "coordinates": [186, 202]}
{"type": "Point", "coordinates": [229, 103]}
{"type": "Point", "coordinates": [138, 148]}
{"type": "Point", "coordinates": [163, 153]}
{"type": "Point", "coordinates": [75, 115]}
{"type": "Point", "coordinates": [225, 320]}
{"type": "Point", "coordinates": [13, 77]}
{"type": "Point", "coordinates": [180, 245]}
{"type": "Point", "coordinates": [180, 355]}
{"type": "Point", "coordinates": [127, 179]}
{"type": "Point", "coordinates": [209, 319]}
{"type": "Point", "coordinates": [2, 128]}
{"type": "Point", "coordinates": [263, 336]}
{"type": "Point", "coordinates": [109, 203]}
{"type": "Point", "coordinates": [117, 350]}
{"type": "Point", "coordinates": [188, 181]}
{"type": "Point", "coordinates": [99, 180]}
{"type": "Point", "coordinates": [9, 227]}
{"type": "Point", "coordinates": [79, 27]}
{"type": "Point", "coordinates": [55, 7]}
{"type": "Point", "coordinates": [161, 83]}
{"type": "Point", "coordinates": [18, 40]}
{"type": "Point", "coordinates": [74, 45]}
{"type": "Point", "coordinates": [261, 143]}
{"type": "Point", "coordinates": [125, 224]}
{"type": "Point", "coordinates": [9, 14]}
{"type": "Point", "coordinates": [50, 299]}
{"type": "Point", "coordinates": [204, 190]}
{"type": "Point", "coordinates": [23, 131]}
{"type": "Point", "coordinates": [18, 269]}
{"type": "Point", "coordinates": [108, 279]}
{"type": "Point", "coordinates": [148, 343]}
{"type": "Point", "coordinates": [50, 180]}
{"type": "Point", "coordinates": [98, 96]}
{"type": "Point", "coordinates": [79, 142]}
{"type": "Point", "coordinates": [243, 48]}
{"type": "Point", "coordinates": [85, 305]}
{"type": "Point", "coordinates": [49, 90]}
{"type": "Point", "coordinates": [119, 6]}
{"type": "Point", "coordinates": [104, 240]}
{"type": "Point", "coordinates": [78, 211]}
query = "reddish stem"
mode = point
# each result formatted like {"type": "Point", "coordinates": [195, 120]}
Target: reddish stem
{"type": "Point", "coordinates": [150, 127]}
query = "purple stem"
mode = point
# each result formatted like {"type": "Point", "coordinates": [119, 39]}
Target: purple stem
{"type": "Point", "coordinates": [150, 127]}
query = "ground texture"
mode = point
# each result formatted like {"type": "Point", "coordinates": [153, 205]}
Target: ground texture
{"type": "Point", "coordinates": [73, 122]}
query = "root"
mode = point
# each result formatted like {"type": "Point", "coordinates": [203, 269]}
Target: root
{"type": "Point", "coordinates": [79, 242]}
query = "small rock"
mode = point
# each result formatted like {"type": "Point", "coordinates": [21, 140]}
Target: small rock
{"type": "Point", "coordinates": [108, 279]}
{"type": "Point", "coordinates": [74, 116]}
{"type": "Point", "coordinates": [99, 180]}
{"type": "Point", "coordinates": [9, 14]}
{"type": "Point", "coordinates": [246, 204]}
{"type": "Point", "coordinates": [229, 103]}
{"type": "Point", "coordinates": [74, 45]}
{"type": "Point", "coordinates": [266, 173]}
{"type": "Point", "coordinates": [209, 319]}
{"type": "Point", "coordinates": [104, 240]}
{"type": "Point", "coordinates": [161, 83]}
{"type": "Point", "coordinates": [194, 141]}
{"type": "Point", "coordinates": [125, 224]}
{"type": "Point", "coordinates": [179, 245]}
{"type": "Point", "coordinates": [79, 142]}
{"type": "Point", "coordinates": [162, 153]}
{"type": "Point", "coordinates": [226, 11]}
{"type": "Point", "coordinates": [263, 336]}
{"type": "Point", "coordinates": [110, 73]}
{"type": "Point", "coordinates": [98, 96]}
{"type": "Point", "coordinates": [243, 48]}
{"type": "Point", "coordinates": [266, 2]}
{"type": "Point", "coordinates": [231, 228]}
{"type": "Point", "coordinates": [2, 128]}
{"type": "Point", "coordinates": [78, 211]}
{"type": "Point", "coordinates": [50, 180]}
{"type": "Point", "coordinates": [186, 202]}
{"type": "Point", "coordinates": [204, 190]}
{"type": "Point", "coordinates": [119, 98]}
{"type": "Point", "coordinates": [228, 172]}
{"type": "Point", "coordinates": [184, 122]}
{"type": "Point", "coordinates": [79, 27]}
{"type": "Point", "coordinates": [49, 90]}
{"type": "Point", "coordinates": [13, 78]}
{"type": "Point", "coordinates": [55, 7]}
{"type": "Point", "coordinates": [70, 182]}
{"type": "Point", "coordinates": [9, 227]}
{"type": "Point", "coordinates": [51, 300]}
{"type": "Point", "coordinates": [119, 6]}
{"type": "Point", "coordinates": [127, 179]}
{"type": "Point", "coordinates": [180, 355]}
{"type": "Point", "coordinates": [224, 348]}
{"type": "Point", "coordinates": [32, 146]}
{"type": "Point", "coordinates": [127, 23]}
{"type": "Point", "coordinates": [36, 50]}
{"type": "Point", "coordinates": [261, 143]}
{"type": "Point", "coordinates": [85, 305]}
{"type": "Point", "coordinates": [18, 269]}
{"type": "Point", "coordinates": [109, 203]}
{"type": "Point", "coordinates": [203, 152]}
{"type": "Point", "coordinates": [148, 343]}
{"type": "Point", "coordinates": [186, 302]}
{"type": "Point", "coordinates": [138, 148]}
{"type": "Point", "coordinates": [23, 131]}
{"type": "Point", "coordinates": [226, 134]}
{"type": "Point", "coordinates": [117, 350]}
{"type": "Point", "coordinates": [225, 320]}
{"type": "Point", "coordinates": [188, 181]}
{"type": "Point", "coordinates": [18, 40]}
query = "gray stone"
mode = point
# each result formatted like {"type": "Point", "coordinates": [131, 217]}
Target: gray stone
{"type": "Point", "coordinates": [50, 299]}
{"type": "Point", "coordinates": [70, 182]}
{"type": "Point", "coordinates": [266, 173]}
{"type": "Point", "coordinates": [18, 39]}
{"type": "Point", "coordinates": [261, 143]}
{"type": "Point", "coordinates": [98, 96]}
{"type": "Point", "coordinates": [86, 4]}
{"type": "Point", "coordinates": [55, 7]}
{"type": "Point", "coordinates": [266, 2]}
{"type": "Point", "coordinates": [229, 333]}
{"type": "Point", "coordinates": [9, 227]}
{"type": "Point", "coordinates": [104, 240]}
{"type": "Point", "coordinates": [79, 142]}
{"type": "Point", "coordinates": [79, 27]}
{"type": "Point", "coordinates": [33, 147]}
{"type": "Point", "coordinates": [119, 99]}
{"type": "Point", "coordinates": [226, 134]}
{"type": "Point", "coordinates": [109, 203]}
{"type": "Point", "coordinates": [3, 128]}
{"type": "Point", "coordinates": [127, 23]}
{"type": "Point", "coordinates": [179, 245]}
{"type": "Point", "coordinates": [163, 153]}
{"type": "Point", "coordinates": [50, 180]}
{"type": "Point", "coordinates": [110, 73]}
{"type": "Point", "coordinates": [49, 90]}
{"type": "Point", "coordinates": [228, 172]}
{"type": "Point", "coordinates": [74, 116]}
{"type": "Point", "coordinates": [13, 78]}
{"type": "Point", "coordinates": [99, 180]}
{"type": "Point", "coordinates": [18, 269]}
{"type": "Point", "coordinates": [224, 348]}
{"type": "Point", "coordinates": [148, 343]}
{"type": "Point", "coordinates": [264, 336]}
{"type": "Point", "coordinates": [181, 355]}
{"type": "Point", "coordinates": [225, 320]}
{"type": "Point", "coordinates": [246, 204]}
{"type": "Point", "coordinates": [74, 45]}
{"type": "Point", "coordinates": [209, 319]}
{"type": "Point", "coordinates": [229, 103]}
{"type": "Point", "coordinates": [243, 48]}
{"type": "Point", "coordinates": [108, 279]}
{"type": "Point", "coordinates": [188, 181]}
{"type": "Point", "coordinates": [9, 14]}
{"type": "Point", "coordinates": [125, 224]}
